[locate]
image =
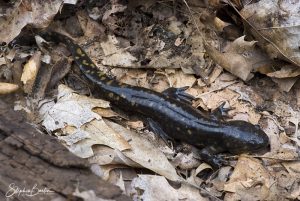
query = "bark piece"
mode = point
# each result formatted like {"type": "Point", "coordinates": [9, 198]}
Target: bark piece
{"type": "Point", "coordinates": [29, 158]}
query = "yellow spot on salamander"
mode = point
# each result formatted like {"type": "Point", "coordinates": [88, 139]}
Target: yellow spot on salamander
{"type": "Point", "coordinates": [100, 73]}
{"type": "Point", "coordinates": [84, 62]}
{"type": "Point", "coordinates": [79, 51]}
{"type": "Point", "coordinates": [132, 103]}
{"type": "Point", "coordinates": [123, 96]}
{"type": "Point", "coordinates": [102, 78]}
{"type": "Point", "coordinates": [178, 128]}
{"type": "Point", "coordinates": [109, 82]}
{"type": "Point", "coordinates": [77, 57]}
{"type": "Point", "coordinates": [189, 132]}
{"type": "Point", "coordinates": [117, 98]}
{"type": "Point", "coordinates": [92, 65]}
{"type": "Point", "coordinates": [111, 95]}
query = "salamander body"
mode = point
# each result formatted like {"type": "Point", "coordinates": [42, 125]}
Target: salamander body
{"type": "Point", "coordinates": [178, 119]}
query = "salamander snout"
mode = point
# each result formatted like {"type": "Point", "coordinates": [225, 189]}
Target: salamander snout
{"type": "Point", "coordinates": [247, 137]}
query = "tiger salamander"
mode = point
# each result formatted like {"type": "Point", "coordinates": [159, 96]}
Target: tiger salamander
{"type": "Point", "coordinates": [176, 118]}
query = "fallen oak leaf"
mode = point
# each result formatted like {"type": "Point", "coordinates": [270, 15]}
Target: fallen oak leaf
{"type": "Point", "coordinates": [285, 71]}
{"type": "Point", "coordinates": [145, 154]}
{"type": "Point", "coordinates": [275, 24]}
{"type": "Point", "coordinates": [249, 180]}
{"type": "Point", "coordinates": [34, 12]}
{"type": "Point", "coordinates": [152, 187]}
{"type": "Point", "coordinates": [240, 58]}
{"type": "Point", "coordinates": [104, 170]}
{"type": "Point", "coordinates": [77, 125]}
{"type": "Point", "coordinates": [285, 84]}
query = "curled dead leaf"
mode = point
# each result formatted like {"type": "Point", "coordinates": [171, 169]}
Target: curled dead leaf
{"type": "Point", "coordinates": [32, 12]}
{"type": "Point", "coordinates": [240, 58]}
{"type": "Point", "coordinates": [250, 181]}
{"type": "Point", "coordinates": [82, 128]}
{"type": "Point", "coordinates": [151, 187]}
{"type": "Point", "coordinates": [275, 24]}
{"type": "Point", "coordinates": [30, 71]}
{"type": "Point", "coordinates": [7, 88]}
{"type": "Point", "coordinates": [145, 154]}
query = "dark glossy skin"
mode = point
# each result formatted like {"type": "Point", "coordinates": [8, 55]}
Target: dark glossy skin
{"type": "Point", "coordinates": [177, 119]}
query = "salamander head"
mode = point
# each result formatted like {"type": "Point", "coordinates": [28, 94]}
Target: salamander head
{"type": "Point", "coordinates": [245, 137]}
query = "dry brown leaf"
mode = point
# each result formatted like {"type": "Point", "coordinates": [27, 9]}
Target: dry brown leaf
{"type": "Point", "coordinates": [244, 112]}
{"type": "Point", "coordinates": [2, 61]}
{"type": "Point", "coordinates": [214, 99]}
{"type": "Point", "coordinates": [145, 154]}
{"type": "Point", "coordinates": [103, 171]}
{"type": "Point", "coordinates": [285, 186]}
{"type": "Point", "coordinates": [7, 88]}
{"type": "Point", "coordinates": [185, 161]}
{"type": "Point", "coordinates": [93, 133]}
{"type": "Point", "coordinates": [115, 8]}
{"type": "Point", "coordinates": [297, 92]}
{"type": "Point", "coordinates": [277, 23]}
{"type": "Point", "coordinates": [88, 195]}
{"type": "Point", "coordinates": [105, 112]}
{"type": "Point", "coordinates": [290, 115]}
{"type": "Point", "coordinates": [249, 181]}
{"type": "Point", "coordinates": [165, 59]}
{"type": "Point", "coordinates": [34, 12]}
{"type": "Point", "coordinates": [151, 187]}
{"type": "Point", "coordinates": [272, 130]}
{"type": "Point", "coordinates": [285, 84]}
{"type": "Point", "coordinates": [90, 27]}
{"type": "Point", "coordinates": [180, 79]}
{"type": "Point", "coordinates": [284, 153]}
{"type": "Point", "coordinates": [285, 71]}
{"type": "Point", "coordinates": [215, 185]}
{"type": "Point", "coordinates": [247, 94]}
{"type": "Point", "coordinates": [116, 56]}
{"type": "Point", "coordinates": [30, 71]}
{"type": "Point", "coordinates": [73, 117]}
{"type": "Point", "coordinates": [69, 107]}
{"type": "Point", "coordinates": [240, 58]}
{"type": "Point", "coordinates": [293, 168]}
{"type": "Point", "coordinates": [219, 24]}
{"type": "Point", "coordinates": [104, 155]}
{"type": "Point", "coordinates": [137, 125]}
{"type": "Point", "coordinates": [141, 154]}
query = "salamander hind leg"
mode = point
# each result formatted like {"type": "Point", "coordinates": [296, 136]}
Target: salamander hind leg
{"type": "Point", "coordinates": [155, 128]}
{"type": "Point", "coordinates": [179, 94]}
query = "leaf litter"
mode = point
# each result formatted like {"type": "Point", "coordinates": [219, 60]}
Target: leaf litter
{"type": "Point", "coordinates": [161, 44]}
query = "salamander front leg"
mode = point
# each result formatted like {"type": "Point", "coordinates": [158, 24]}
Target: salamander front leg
{"type": "Point", "coordinates": [179, 94]}
{"type": "Point", "coordinates": [220, 112]}
{"type": "Point", "coordinates": [208, 154]}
